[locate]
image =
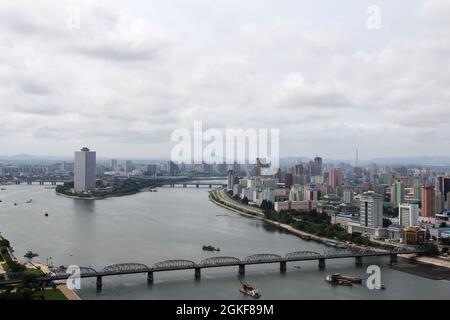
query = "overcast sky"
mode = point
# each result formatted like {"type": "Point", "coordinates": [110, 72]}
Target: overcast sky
{"type": "Point", "coordinates": [136, 70]}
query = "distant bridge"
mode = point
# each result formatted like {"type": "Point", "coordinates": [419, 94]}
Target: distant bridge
{"type": "Point", "coordinates": [218, 261]}
{"type": "Point", "coordinates": [42, 180]}
{"type": "Point", "coordinates": [196, 184]}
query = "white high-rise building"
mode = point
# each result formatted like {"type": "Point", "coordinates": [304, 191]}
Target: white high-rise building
{"type": "Point", "coordinates": [230, 180]}
{"type": "Point", "coordinates": [348, 196]}
{"type": "Point", "coordinates": [84, 170]}
{"type": "Point", "coordinates": [371, 210]}
{"type": "Point", "coordinates": [408, 214]}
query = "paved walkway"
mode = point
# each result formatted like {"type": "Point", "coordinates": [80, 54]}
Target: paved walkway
{"type": "Point", "coordinates": [70, 294]}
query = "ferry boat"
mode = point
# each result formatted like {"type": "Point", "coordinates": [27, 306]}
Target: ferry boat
{"type": "Point", "coordinates": [249, 290]}
{"type": "Point", "coordinates": [335, 244]}
{"type": "Point", "coordinates": [338, 279]}
{"type": "Point", "coordinates": [210, 248]}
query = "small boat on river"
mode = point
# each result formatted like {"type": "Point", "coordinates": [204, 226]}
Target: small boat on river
{"type": "Point", "coordinates": [338, 279]}
{"type": "Point", "coordinates": [210, 248]}
{"type": "Point", "coordinates": [249, 290]}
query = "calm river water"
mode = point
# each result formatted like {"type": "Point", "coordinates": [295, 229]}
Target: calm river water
{"type": "Point", "coordinates": [174, 223]}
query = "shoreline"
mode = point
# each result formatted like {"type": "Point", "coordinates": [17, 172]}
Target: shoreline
{"type": "Point", "coordinates": [425, 260]}
{"type": "Point", "coordinates": [93, 198]}
{"type": "Point", "coordinates": [68, 293]}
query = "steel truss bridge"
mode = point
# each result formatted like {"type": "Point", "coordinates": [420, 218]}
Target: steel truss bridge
{"type": "Point", "coordinates": [222, 261]}
{"type": "Point", "coordinates": [195, 184]}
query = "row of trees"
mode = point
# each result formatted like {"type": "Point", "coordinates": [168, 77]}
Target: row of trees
{"type": "Point", "coordinates": [315, 223]}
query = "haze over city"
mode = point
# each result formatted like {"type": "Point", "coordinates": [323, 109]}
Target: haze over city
{"type": "Point", "coordinates": [131, 72]}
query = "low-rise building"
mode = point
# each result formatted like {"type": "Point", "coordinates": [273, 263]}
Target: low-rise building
{"type": "Point", "coordinates": [414, 235]}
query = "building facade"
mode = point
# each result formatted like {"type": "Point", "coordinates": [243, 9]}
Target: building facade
{"type": "Point", "coordinates": [84, 170]}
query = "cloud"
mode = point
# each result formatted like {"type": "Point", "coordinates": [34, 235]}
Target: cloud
{"type": "Point", "coordinates": [127, 78]}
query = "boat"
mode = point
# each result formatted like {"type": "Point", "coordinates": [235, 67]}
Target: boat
{"type": "Point", "coordinates": [210, 248]}
{"type": "Point", "coordinates": [15, 204]}
{"type": "Point", "coordinates": [338, 279]}
{"type": "Point", "coordinates": [29, 201]}
{"type": "Point", "coordinates": [352, 279]}
{"type": "Point", "coordinates": [249, 290]}
{"type": "Point", "coordinates": [306, 237]}
{"type": "Point", "coordinates": [46, 214]}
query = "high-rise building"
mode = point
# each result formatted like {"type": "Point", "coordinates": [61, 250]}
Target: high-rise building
{"type": "Point", "coordinates": [416, 188]}
{"type": "Point", "coordinates": [172, 168]}
{"type": "Point", "coordinates": [397, 193]}
{"type": "Point", "coordinates": [428, 202]}
{"type": "Point", "coordinates": [230, 180]}
{"type": "Point", "coordinates": [317, 166]}
{"type": "Point", "coordinates": [348, 196]}
{"type": "Point", "coordinates": [371, 210]}
{"type": "Point", "coordinates": [84, 170]}
{"type": "Point", "coordinates": [443, 185]}
{"type": "Point", "coordinates": [288, 180]}
{"type": "Point", "coordinates": [128, 166]}
{"type": "Point", "coordinates": [114, 164]}
{"type": "Point", "coordinates": [335, 178]}
{"type": "Point", "coordinates": [408, 214]}
{"type": "Point", "coordinates": [438, 202]}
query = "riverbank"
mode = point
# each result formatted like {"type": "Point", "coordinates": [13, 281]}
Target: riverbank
{"type": "Point", "coordinates": [221, 198]}
{"type": "Point", "coordinates": [39, 269]}
{"type": "Point", "coordinates": [106, 196]}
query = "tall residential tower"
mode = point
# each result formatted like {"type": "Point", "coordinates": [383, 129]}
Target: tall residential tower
{"type": "Point", "coordinates": [84, 170]}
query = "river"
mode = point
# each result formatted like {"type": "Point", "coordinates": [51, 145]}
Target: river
{"type": "Point", "coordinates": [174, 223]}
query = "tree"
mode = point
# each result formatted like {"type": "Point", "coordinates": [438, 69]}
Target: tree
{"type": "Point", "coordinates": [431, 249]}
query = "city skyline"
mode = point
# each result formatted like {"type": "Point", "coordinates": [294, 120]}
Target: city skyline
{"type": "Point", "coordinates": [131, 73]}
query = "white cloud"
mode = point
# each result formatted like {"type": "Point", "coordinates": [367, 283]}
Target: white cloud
{"type": "Point", "coordinates": [124, 81]}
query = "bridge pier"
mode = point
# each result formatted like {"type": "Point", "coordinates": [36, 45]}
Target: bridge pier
{"type": "Point", "coordinates": [30, 182]}
{"type": "Point", "coordinates": [150, 277]}
{"type": "Point", "coordinates": [394, 258]}
{"type": "Point", "coordinates": [210, 186]}
{"type": "Point", "coordinates": [241, 269]}
{"type": "Point", "coordinates": [321, 263]}
{"type": "Point", "coordinates": [359, 261]}
{"type": "Point", "coordinates": [283, 266]}
{"type": "Point", "coordinates": [198, 273]}
{"type": "Point", "coordinates": [99, 283]}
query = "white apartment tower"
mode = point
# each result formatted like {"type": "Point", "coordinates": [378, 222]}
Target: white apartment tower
{"type": "Point", "coordinates": [408, 214]}
{"type": "Point", "coordinates": [371, 210]}
{"type": "Point", "coordinates": [84, 170]}
{"type": "Point", "coordinates": [230, 180]}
